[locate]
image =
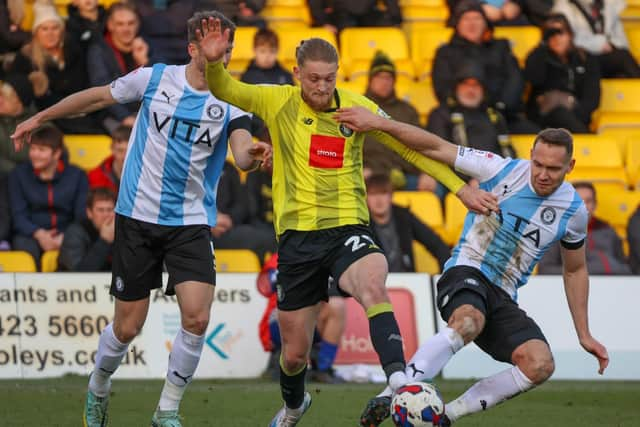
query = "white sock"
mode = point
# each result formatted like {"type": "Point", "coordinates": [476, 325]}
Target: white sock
{"type": "Point", "coordinates": [489, 392]}
{"type": "Point", "coordinates": [183, 361]}
{"type": "Point", "coordinates": [397, 380]}
{"type": "Point", "coordinates": [431, 357]}
{"type": "Point", "coordinates": [108, 358]}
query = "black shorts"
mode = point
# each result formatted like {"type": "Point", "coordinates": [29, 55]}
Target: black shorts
{"type": "Point", "coordinates": [506, 326]}
{"type": "Point", "coordinates": [141, 248]}
{"type": "Point", "coordinates": [306, 259]}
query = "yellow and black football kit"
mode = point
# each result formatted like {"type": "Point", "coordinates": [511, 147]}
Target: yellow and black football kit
{"type": "Point", "coordinates": [317, 162]}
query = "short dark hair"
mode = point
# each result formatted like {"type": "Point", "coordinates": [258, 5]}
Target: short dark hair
{"type": "Point", "coordinates": [316, 49]}
{"type": "Point", "coordinates": [585, 184]}
{"type": "Point", "coordinates": [195, 23]}
{"type": "Point", "coordinates": [265, 36]}
{"type": "Point", "coordinates": [99, 193]}
{"type": "Point", "coordinates": [48, 135]}
{"type": "Point", "coordinates": [121, 133]}
{"type": "Point", "coordinates": [379, 181]}
{"type": "Point", "coordinates": [559, 136]}
{"type": "Point", "coordinates": [121, 5]}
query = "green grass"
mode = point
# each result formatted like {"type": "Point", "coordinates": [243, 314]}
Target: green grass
{"type": "Point", "coordinates": [58, 402]}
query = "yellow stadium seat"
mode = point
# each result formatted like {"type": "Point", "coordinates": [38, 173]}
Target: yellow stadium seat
{"type": "Point", "coordinates": [633, 34]}
{"type": "Point", "coordinates": [87, 151]}
{"type": "Point", "coordinates": [522, 144]}
{"type": "Point", "coordinates": [17, 262]}
{"type": "Point", "coordinates": [358, 86]}
{"type": "Point", "coordinates": [599, 160]}
{"type": "Point", "coordinates": [633, 162]}
{"type": "Point", "coordinates": [616, 206]}
{"type": "Point", "coordinates": [61, 7]}
{"type": "Point", "coordinates": [419, 13]}
{"type": "Point", "coordinates": [619, 98]}
{"type": "Point", "coordinates": [621, 135]}
{"type": "Point", "coordinates": [358, 46]}
{"type": "Point", "coordinates": [277, 14]}
{"type": "Point", "coordinates": [289, 3]}
{"type": "Point", "coordinates": [424, 44]}
{"type": "Point", "coordinates": [242, 50]}
{"type": "Point", "coordinates": [419, 94]}
{"type": "Point", "coordinates": [49, 261]}
{"type": "Point", "coordinates": [423, 261]}
{"type": "Point", "coordinates": [523, 39]}
{"type": "Point", "coordinates": [237, 261]}
{"type": "Point", "coordinates": [455, 213]}
{"type": "Point", "coordinates": [424, 205]}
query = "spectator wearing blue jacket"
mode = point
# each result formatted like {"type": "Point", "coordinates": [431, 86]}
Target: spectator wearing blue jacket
{"type": "Point", "coordinates": [46, 195]}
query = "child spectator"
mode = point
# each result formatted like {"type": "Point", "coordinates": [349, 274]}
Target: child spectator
{"type": "Point", "coordinates": [108, 173]}
{"type": "Point", "coordinates": [88, 243]}
{"type": "Point", "coordinates": [46, 194]}
{"type": "Point", "coordinates": [265, 68]}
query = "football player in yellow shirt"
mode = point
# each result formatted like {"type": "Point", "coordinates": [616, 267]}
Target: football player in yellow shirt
{"type": "Point", "coordinates": [320, 210]}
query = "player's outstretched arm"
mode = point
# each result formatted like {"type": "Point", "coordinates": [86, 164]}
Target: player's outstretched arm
{"type": "Point", "coordinates": [430, 153]}
{"type": "Point", "coordinates": [214, 43]}
{"type": "Point", "coordinates": [85, 101]}
{"type": "Point", "coordinates": [576, 286]}
{"type": "Point", "coordinates": [362, 120]}
{"type": "Point", "coordinates": [247, 154]}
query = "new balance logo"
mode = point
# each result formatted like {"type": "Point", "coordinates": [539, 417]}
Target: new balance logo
{"type": "Point", "coordinates": [185, 379]}
{"type": "Point", "coordinates": [415, 370]}
{"type": "Point", "coordinates": [307, 120]}
{"type": "Point", "coordinates": [106, 371]}
{"type": "Point", "coordinates": [483, 403]}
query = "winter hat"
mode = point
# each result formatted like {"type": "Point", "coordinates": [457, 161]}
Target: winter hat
{"type": "Point", "coordinates": [44, 11]}
{"type": "Point", "coordinates": [470, 71]}
{"type": "Point", "coordinates": [469, 6]}
{"type": "Point", "coordinates": [381, 62]}
{"type": "Point", "coordinates": [22, 86]}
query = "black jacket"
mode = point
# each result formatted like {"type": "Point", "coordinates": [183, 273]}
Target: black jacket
{"type": "Point", "coordinates": [84, 31]}
{"type": "Point", "coordinates": [5, 209]}
{"type": "Point", "coordinates": [232, 197]}
{"type": "Point", "coordinates": [579, 77]}
{"type": "Point", "coordinates": [503, 77]}
{"type": "Point", "coordinates": [633, 236]}
{"type": "Point", "coordinates": [320, 16]}
{"type": "Point", "coordinates": [410, 228]}
{"type": "Point", "coordinates": [482, 127]}
{"type": "Point", "coordinates": [10, 41]}
{"type": "Point", "coordinates": [83, 249]}
{"type": "Point", "coordinates": [275, 75]}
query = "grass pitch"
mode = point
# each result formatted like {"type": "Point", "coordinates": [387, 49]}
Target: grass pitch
{"type": "Point", "coordinates": [59, 402]}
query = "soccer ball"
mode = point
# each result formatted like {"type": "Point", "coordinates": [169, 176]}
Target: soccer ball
{"type": "Point", "coordinates": [417, 405]}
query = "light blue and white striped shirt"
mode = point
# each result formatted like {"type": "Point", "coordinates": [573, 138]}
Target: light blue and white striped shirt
{"type": "Point", "coordinates": [177, 147]}
{"type": "Point", "coordinates": [507, 246]}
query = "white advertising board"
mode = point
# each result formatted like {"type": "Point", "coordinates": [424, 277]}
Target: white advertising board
{"type": "Point", "coordinates": [58, 319]}
{"type": "Point", "coordinates": [612, 304]}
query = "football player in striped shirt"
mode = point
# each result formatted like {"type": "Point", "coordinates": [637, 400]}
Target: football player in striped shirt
{"type": "Point", "coordinates": [166, 206]}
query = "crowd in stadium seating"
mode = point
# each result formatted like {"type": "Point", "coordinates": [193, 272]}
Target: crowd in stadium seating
{"type": "Point", "coordinates": [485, 92]}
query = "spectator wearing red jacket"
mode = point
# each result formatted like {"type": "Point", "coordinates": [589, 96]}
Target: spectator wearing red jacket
{"type": "Point", "coordinates": [108, 173]}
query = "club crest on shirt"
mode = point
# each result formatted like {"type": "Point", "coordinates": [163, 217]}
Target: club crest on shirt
{"type": "Point", "coordinates": [215, 112]}
{"type": "Point", "coordinates": [345, 131]}
{"type": "Point", "coordinates": [548, 215]}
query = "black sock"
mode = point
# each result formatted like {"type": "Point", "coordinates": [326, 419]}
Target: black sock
{"type": "Point", "coordinates": [292, 387]}
{"type": "Point", "coordinates": [386, 338]}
